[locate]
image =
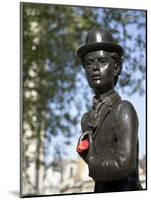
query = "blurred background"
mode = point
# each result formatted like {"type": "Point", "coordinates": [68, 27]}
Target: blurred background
{"type": "Point", "coordinates": [55, 92]}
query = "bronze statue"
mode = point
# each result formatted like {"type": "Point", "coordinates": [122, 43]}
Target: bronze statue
{"type": "Point", "coordinates": [109, 140]}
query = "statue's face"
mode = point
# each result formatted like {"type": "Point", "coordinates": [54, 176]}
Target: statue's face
{"type": "Point", "coordinates": [99, 67]}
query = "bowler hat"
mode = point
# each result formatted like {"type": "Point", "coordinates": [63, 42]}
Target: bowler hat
{"type": "Point", "coordinates": [99, 39]}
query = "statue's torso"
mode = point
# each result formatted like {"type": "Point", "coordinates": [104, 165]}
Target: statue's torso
{"type": "Point", "coordinates": [115, 143]}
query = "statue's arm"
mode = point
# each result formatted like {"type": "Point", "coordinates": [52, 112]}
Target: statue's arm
{"type": "Point", "coordinates": [120, 160]}
{"type": "Point", "coordinates": [84, 122]}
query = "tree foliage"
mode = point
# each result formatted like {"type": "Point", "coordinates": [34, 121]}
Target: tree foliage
{"type": "Point", "coordinates": [54, 91]}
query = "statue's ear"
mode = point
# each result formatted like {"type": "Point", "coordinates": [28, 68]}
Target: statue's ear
{"type": "Point", "coordinates": [83, 65]}
{"type": "Point", "coordinates": [117, 68]}
{"type": "Point", "coordinates": [83, 62]}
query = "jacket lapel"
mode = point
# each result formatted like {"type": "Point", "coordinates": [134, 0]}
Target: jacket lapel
{"type": "Point", "coordinates": [104, 111]}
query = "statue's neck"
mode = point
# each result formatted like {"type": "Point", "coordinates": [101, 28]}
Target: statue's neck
{"type": "Point", "coordinates": [104, 94]}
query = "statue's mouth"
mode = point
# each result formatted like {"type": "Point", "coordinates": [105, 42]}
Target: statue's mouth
{"type": "Point", "coordinates": [96, 77]}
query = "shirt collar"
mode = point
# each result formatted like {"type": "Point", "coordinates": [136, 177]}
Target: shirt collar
{"type": "Point", "coordinates": [104, 98]}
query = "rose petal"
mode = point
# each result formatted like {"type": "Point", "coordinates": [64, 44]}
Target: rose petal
{"type": "Point", "coordinates": [83, 145]}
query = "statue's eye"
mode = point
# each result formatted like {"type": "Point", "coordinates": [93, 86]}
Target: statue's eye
{"type": "Point", "coordinates": [89, 62]}
{"type": "Point", "coordinates": [102, 60]}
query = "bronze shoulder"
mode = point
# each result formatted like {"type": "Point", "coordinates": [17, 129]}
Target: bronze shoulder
{"type": "Point", "coordinates": [126, 115]}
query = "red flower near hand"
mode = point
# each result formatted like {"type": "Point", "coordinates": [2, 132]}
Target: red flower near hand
{"type": "Point", "coordinates": [83, 145]}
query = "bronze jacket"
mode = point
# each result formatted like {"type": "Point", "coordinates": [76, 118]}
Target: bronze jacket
{"type": "Point", "coordinates": [112, 157]}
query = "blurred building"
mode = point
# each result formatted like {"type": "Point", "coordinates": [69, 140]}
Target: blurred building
{"type": "Point", "coordinates": [142, 171]}
{"type": "Point", "coordinates": [71, 176]}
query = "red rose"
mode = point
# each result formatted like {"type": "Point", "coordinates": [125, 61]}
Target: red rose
{"type": "Point", "coordinates": [83, 145]}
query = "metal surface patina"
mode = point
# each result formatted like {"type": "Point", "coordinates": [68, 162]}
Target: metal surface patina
{"type": "Point", "coordinates": [109, 140]}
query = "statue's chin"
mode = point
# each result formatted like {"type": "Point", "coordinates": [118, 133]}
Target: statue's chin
{"type": "Point", "coordinates": [96, 84]}
{"type": "Point", "coordinates": [101, 87]}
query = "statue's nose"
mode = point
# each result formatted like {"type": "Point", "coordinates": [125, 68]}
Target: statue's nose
{"type": "Point", "coordinates": [95, 64]}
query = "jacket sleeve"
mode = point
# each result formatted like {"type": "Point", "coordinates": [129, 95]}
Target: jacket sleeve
{"type": "Point", "coordinates": [120, 161]}
{"type": "Point", "coordinates": [84, 122]}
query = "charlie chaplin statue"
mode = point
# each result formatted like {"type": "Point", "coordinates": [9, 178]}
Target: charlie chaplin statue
{"type": "Point", "coordinates": [109, 140]}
